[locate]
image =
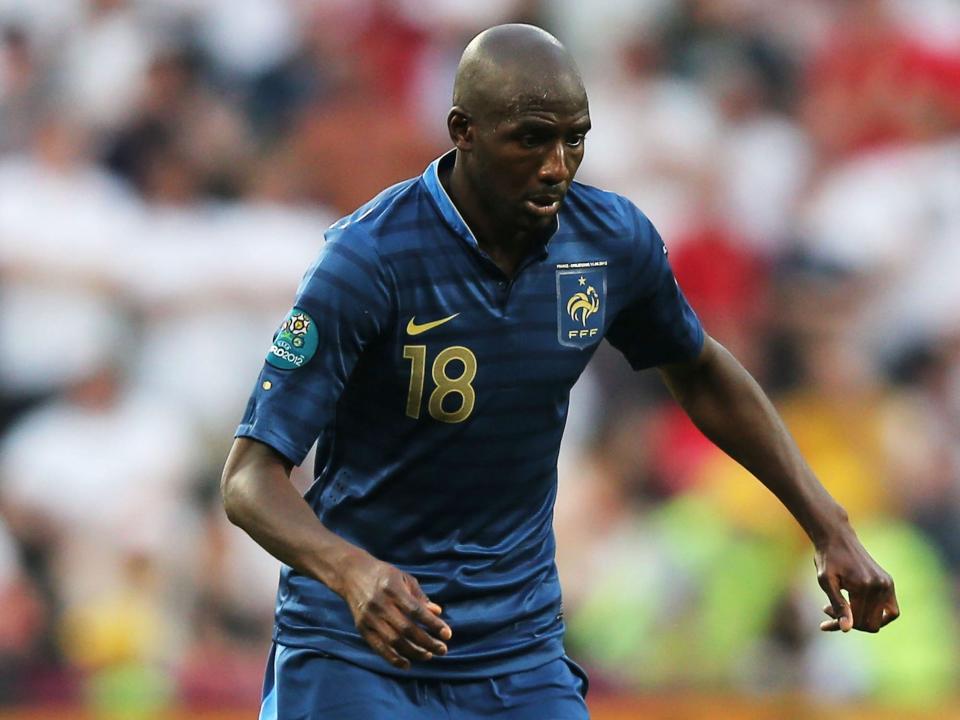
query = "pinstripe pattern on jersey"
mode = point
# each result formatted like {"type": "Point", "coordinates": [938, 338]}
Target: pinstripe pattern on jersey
{"type": "Point", "coordinates": [464, 506]}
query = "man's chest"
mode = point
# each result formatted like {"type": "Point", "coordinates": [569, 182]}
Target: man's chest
{"type": "Point", "coordinates": [466, 339]}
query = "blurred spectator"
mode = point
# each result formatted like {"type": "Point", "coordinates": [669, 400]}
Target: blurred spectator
{"type": "Point", "coordinates": [110, 491]}
{"type": "Point", "coordinates": [26, 631]}
{"type": "Point", "coordinates": [668, 570]}
{"type": "Point", "coordinates": [122, 461]}
{"type": "Point", "coordinates": [872, 84]}
{"type": "Point", "coordinates": [928, 488]}
{"type": "Point", "coordinates": [214, 280]}
{"type": "Point", "coordinates": [180, 139]}
{"type": "Point", "coordinates": [839, 409]}
{"type": "Point", "coordinates": [119, 637]}
{"type": "Point", "coordinates": [246, 39]}
{"type": "Point", "coordinates": [344, 174]}
{"type": "Point", "coordinates": [22, 91]}
{"type": "Point", "coordinates": [763, 164]}
{"type": "Point", "coordinates": [654, 135]}
{"type": "Point", "coordinates": [103, 61]}
{"type": "Point", "coordinates": [727, 283]}
{"type": "Point", "coordinates": [62, 224]}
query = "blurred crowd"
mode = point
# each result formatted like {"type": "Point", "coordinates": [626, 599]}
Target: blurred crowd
{"type": "Point", "coordinates": [167, 171]}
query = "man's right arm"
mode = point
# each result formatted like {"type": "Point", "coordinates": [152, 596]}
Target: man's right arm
{"type": "Point", "coordinates": [390, 609]}
{"type": "Point", "coordinates": [259, 498]}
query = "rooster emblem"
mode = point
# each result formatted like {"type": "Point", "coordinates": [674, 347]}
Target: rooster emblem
{"type": "Point", "coordinates": [583, 304]}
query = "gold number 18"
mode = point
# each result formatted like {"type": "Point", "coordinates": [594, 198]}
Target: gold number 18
{"type": "Point", "coordinates": [445, 385]}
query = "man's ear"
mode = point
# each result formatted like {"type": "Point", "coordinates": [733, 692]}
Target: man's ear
{"type": "Point", "coordinates": [460, 127]}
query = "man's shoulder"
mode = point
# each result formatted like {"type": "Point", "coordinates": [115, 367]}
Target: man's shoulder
{"type": "Point", "coordinates": [388, 214]}
{"type": "Point", "coordinates": [357, 246]}
{"type": "Point", "coordinates": [594, 208]}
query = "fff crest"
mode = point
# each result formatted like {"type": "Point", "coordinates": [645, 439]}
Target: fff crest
{"type": "Point", "coordinates": [581, 301]}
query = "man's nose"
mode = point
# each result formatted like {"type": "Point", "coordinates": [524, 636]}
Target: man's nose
{"type": "Point", "coordinates": [554, 170]}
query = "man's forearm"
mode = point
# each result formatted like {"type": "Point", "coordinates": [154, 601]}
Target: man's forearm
{"type": "Point", "coordinates": [259, 498]}
{"type": "Point", "coordinates": [731, 409]}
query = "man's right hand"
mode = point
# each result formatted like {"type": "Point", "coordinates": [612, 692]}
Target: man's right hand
{"type": "Point", "coordinates": [392, 612]}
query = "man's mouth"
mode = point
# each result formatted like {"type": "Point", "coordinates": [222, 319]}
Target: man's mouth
{"type": "Point", "coordinates": [543, 205]}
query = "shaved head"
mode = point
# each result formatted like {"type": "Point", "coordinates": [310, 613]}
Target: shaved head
{"type": "Point", "coordinates": [508, 69]}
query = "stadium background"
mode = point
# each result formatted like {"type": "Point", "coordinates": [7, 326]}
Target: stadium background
{"type": "Point", "coordinates": [167, 169]}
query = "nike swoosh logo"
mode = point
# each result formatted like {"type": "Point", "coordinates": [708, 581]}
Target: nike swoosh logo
{"type": "Point", "coordinates": [414, 329]}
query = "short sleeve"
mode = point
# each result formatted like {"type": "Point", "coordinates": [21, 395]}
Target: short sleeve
{"type": "Point", "coordinates": [657, 326]}
{"type": "Point", "coordinates": [342, 305]}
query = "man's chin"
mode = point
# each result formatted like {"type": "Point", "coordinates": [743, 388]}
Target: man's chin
{"type": "Point", "coordinates": [537, 220]}
{"type": "Point", "coordinates": [532, 225]}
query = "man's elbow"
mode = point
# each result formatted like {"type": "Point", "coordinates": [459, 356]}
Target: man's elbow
{"type": "Point", "coordinates": [249, 469]}
{"type": "Point", "coordinates": [231, 495]}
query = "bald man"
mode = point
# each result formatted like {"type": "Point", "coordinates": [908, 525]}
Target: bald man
{"type": "Point", "coordinates": [430, 353]}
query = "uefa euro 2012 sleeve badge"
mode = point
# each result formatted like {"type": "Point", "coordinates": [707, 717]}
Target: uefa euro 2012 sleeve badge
{"type": "Point", "coordinates": [295, 342]}
{"type": "Point", "coordinates": [581, 300]}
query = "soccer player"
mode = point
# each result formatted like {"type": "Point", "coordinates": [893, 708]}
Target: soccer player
{"type": "Point", "coordinates": [430, 351]}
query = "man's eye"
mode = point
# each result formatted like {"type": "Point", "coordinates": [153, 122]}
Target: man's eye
{"type": "Point", "coordinates": [576, 140]}
{"type": "Point", "coordinates": [530, 140]}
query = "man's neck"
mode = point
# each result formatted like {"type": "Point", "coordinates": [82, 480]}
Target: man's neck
{"type": "Point", "coordinates": [508, 247]}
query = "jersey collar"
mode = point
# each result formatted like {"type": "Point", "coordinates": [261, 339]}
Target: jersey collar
{"type": "Point", "coordinates": [444, 204]}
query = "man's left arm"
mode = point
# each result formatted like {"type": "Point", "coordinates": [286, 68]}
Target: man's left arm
{"type": "Point", "coordinates": [730, 408]}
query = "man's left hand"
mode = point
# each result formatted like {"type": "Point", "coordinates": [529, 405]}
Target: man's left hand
{"type": "Point", "coordinates": [843, 564]}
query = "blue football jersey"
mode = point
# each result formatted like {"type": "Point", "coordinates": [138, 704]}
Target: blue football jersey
{"type": "Point", "coordinates": [437, 388]}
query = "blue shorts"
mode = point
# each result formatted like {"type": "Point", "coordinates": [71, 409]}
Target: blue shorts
{"type": "Point", "coordinates": [304, 684]}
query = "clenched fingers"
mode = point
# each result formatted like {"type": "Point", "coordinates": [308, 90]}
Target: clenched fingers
{"type": "Point", "coordinates": [867, 611]}
{"type": "Point", "coordinates": [891, 612]}
{"type": "Point", "coordinates": [841, 611]}
{"type": "Point", "coordinates": [406, 627]}
{"type": "Point", "coordinates": [392, 645]}
{"type": "Point", "coordinates": [884, 615]}
{"type": "Point", "coordinates": [383, 648]}
{"type": "Point", "coordinates": [874, 604]}
{"type": "Point", "coordinates": [425, 612]}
